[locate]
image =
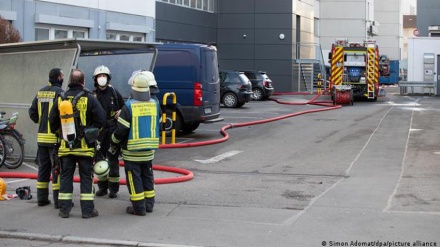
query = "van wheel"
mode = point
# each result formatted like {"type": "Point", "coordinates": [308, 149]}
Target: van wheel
{"type": "Point", "coordinates": [230, 100]}
{"type": "Point", "coordinates": [169, 123]}
{"type": "Point", "coordinates": [258, 94]}
{"type": "Point", "coordinates": [188, 128]}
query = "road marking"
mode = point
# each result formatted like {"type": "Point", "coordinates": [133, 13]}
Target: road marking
{"type": "Point", "coordinates": [220, 157]}
{"type": "Point", "coordinates": [30, 166]}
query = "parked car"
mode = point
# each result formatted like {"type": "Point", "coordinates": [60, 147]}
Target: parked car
{"type": "Point", "coordinates": [235, 88]}
{"type": "Point", "coordinates": [261, 84]}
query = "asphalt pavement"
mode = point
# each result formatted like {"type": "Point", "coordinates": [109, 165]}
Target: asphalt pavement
{"type": "Point", "coordinates": [361, 175]}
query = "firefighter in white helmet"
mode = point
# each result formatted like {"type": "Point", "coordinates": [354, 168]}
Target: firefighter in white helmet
{"type": "Point", "coordinates": [137, 134]}
{"type": "Point", "coordinates": [111, 100]}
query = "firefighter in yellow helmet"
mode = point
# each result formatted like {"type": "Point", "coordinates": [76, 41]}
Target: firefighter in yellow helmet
{"type": "Point", "coordinates": [137, 134]}
{"type": "Point", "coordinates": [88, 114]}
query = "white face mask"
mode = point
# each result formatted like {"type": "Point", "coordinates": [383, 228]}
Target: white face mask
{"type": "Point", "coordinates": [102, 81]}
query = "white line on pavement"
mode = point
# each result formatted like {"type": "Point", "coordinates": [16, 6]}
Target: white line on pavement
{"type": "Point", "coordinates": [220, 157]}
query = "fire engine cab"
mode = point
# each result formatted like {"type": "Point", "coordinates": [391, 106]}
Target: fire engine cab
{"type": "Point", "coordinates": [354, 66]}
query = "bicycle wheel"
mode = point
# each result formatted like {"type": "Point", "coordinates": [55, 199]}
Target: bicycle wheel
{"type": "Point", "coordinates": [2, 151]}
{"type": "Point", "coordinates": [14, 151]}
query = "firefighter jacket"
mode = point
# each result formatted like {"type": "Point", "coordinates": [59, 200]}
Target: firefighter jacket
{"type": "Point", "coordinates": [90, 114]}
{"type": "Point", "coordinates": [138, 130]}
{"type": "Point", "coordinates": [40, 110]}
{"type": "Point", "coordinates": [111, 100]}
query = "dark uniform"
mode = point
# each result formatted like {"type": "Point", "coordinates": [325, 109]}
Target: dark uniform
{"type": "Point", "coordinates": [137, 133]}
{"type": "Point", "coordinates": [91, 114]}
{"type": "Point", "coordinates": [39, 113]}
{"type": "Point", "coordinates": [112, 101]}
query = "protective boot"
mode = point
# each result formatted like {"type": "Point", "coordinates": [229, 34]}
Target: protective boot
{"type": "Point", "coordinates": [88, 209]}
{"type": "Point", "coordinates": [43, 197]}
{"type": "Point", "coordinates": [114, 188]}
{"type": "Point", "coordinates": [55, 198]}
{"type": "Point", "coordinates": [65, 208]}
{"type": "Point", "coordinates": [138, 208]}
{"type": "Point", "coordinates": [149, 204]}
{"type": "Point", "coordinates": [103, 188]}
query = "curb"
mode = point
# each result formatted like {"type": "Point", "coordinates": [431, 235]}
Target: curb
{"type": "Point", "coordinates": [81, 240]}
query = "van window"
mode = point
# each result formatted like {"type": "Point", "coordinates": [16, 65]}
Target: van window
{"type": "Point", "coordinates": [210, 74]}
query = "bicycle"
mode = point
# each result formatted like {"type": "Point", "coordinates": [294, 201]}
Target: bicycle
{"type": "Point", "coordinates": [13, 142]}
{"type": "Point", "coordinates": [2, 151]}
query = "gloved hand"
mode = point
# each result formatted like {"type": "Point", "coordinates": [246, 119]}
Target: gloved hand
{"type": "Point", "coordinates": [113, 148]}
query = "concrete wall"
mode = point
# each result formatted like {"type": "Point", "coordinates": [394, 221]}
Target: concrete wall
{"type": "Point", "coordinates": [180, 24]}
{"type": "Point", "coordinates": [344, 19]}
{"type": "Point", "coordinates": [388, 14]}
{"type": "Point", "coordinates": [427, 14]}
{"type": "Point", "coordinates": [249, 36]}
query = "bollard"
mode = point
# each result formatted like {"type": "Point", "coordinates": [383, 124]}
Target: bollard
{"type": "Point", "coordinates": [173, 117]}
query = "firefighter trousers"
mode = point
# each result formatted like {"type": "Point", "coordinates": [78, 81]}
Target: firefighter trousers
{"type": "Point", "coordinates": [45, 170]}
{"type": "Point", "coordinates": [68, 166]}
{"type": "Point", "coordinates": [112, 181]}
{"type": "Point", "coordinates": [140, 183]}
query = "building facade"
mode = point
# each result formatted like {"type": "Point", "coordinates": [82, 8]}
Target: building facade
{"type": "Point", "coordinates": [250, 34]}
{"type": "Point", "coordinates": [93, 19]}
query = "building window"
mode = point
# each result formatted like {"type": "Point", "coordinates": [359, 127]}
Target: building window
{"type": "Point", "coordinates": [48, 32]}
{"type": "Point", "coordinates": [316, 28]}
{"type": "Point", "coordinates": [124, 36]}
{"type": "Point", "coordinates": [60, 34]}
{"type": "Point", "coordinates": [41, 34]}
{"type": "Point", "coordinates": [204, 5]}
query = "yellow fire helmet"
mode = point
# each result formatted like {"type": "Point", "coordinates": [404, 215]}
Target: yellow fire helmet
{"type": "Point", "coordinates": [3, 187]}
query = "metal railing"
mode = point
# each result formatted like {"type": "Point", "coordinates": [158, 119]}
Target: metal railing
{"type": "Point", "coordinates": [406, 85]}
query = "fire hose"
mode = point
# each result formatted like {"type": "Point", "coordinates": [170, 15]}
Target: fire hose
{"type": "Point", "coordinates": [188, 175]}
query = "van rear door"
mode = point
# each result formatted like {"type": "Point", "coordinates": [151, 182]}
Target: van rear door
{"type": "Point", "coordinates": [211, 84]}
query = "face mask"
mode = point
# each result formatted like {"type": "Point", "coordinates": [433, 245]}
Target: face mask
{"type": "Point", "coordinates": [61, 81]}
{"type": "Point", "coordinates": [102, 81]}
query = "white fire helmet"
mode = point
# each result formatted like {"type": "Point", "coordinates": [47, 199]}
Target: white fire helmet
{"type": "Point", "coordinates": [101, 168]}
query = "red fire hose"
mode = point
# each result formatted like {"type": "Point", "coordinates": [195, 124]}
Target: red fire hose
{"type": "Point", "coordinates": [188, 175]}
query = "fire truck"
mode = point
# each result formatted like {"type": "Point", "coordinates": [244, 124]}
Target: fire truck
{"type": "Point", "coordinates": [354, 71]}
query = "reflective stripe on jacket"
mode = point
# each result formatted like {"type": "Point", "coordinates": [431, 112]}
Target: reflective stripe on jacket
{"type": "Point", "coordinates": [138, 124]}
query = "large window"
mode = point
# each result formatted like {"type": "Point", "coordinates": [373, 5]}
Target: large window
{"type": "Point", "coordinates": [124, 36]}
{"type": "Point", "coordinates": [204, 5]}
{"type": "Point", "coordinates": [48, 32]}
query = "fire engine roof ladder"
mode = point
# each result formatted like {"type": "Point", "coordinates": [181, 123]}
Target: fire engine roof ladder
{"type": "Point", "coordinates": [371, 71]}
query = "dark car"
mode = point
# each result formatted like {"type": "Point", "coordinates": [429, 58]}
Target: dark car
{"type": "Point", "coordinates": [235, 88]}
{"type": "Point", "coordinates": [261, 84]}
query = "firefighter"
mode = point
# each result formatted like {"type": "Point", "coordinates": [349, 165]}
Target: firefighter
{"type": "Point", "coordinates": [112, 102]}
{"type": "Point", "coordinates": [88, 113]}
{"type": "Point", "coordinates": [46, 140]}
{"type": "Point", "coordinates": [137, 133]}
{"type": "Point", "coordinates": [154, 89]}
